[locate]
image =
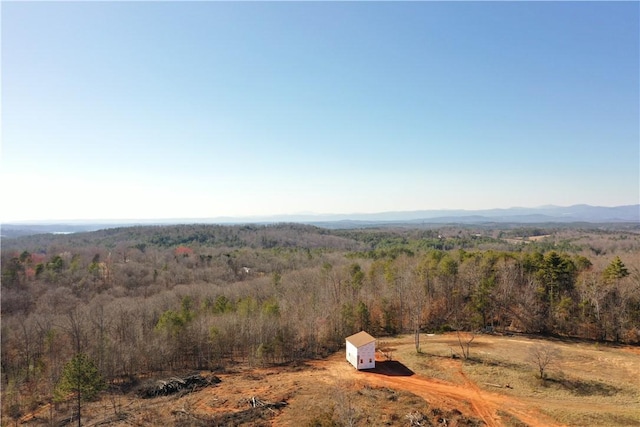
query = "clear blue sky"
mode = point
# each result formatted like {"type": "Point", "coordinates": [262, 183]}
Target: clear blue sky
{"type": "Point", "coordinates": [125, 110]}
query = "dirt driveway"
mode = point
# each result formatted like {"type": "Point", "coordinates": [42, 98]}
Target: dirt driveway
{"type": "Point", "coordinates": [480, 403]}
{"type": "Point", "coordinates": [464, 395]}
{"type": "Point", "coordinates": [604, 390]}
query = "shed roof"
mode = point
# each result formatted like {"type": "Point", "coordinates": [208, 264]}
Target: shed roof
{"type": "Point", "coordinates": [360, 339]}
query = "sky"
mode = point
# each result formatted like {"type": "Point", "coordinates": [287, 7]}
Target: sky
{"type": "Point", "coordinates": [143, 110]}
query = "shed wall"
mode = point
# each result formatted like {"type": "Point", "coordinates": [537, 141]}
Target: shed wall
{"type": "Point", "coordinates": [363, 357]}
{"type": "Point", "coordinates": [367, 356]}
{"type": "Point", "coordinates": [352, 354]}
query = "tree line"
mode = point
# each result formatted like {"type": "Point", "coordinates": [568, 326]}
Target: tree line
{"type": "Point", "coordinates": [205, 297]}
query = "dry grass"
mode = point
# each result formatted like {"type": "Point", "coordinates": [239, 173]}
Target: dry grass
{"type": "Point", "coordinates": [595, 385]}
{"type": "Point", "coordinates": [591, 385]}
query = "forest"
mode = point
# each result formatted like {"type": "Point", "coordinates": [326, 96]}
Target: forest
{"type": "Point", "coordinates": [139, 300]}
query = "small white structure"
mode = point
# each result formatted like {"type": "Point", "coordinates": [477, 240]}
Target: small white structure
{"type": "Point", "coordinates": [361, 350]}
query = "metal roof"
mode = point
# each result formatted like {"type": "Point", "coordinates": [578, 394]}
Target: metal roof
{"type": "Point", "coordinates": [360, 339]}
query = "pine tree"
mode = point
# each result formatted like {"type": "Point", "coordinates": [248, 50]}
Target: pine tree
{"type": "Point", "coordinates": [80, 377]}
{"type": "Point", "coordinates": [614, 271]}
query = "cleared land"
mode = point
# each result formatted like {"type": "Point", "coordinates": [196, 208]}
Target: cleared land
{"type": "Point", "coordinates": [589, 384]}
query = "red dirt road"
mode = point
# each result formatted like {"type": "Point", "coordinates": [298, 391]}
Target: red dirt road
{"type": "Point", "coordinates": [467, 397]}
{"type": "Point", "coordinates": [322, 389]}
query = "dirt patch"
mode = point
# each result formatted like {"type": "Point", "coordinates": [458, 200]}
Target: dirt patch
{"type": "Point", "coordinates": [466, 397]}
{"type": "Point", "coordinates": [596, 386]}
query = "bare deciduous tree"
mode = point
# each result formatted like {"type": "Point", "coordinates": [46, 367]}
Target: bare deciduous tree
{"type": "Point", "coordinates": [464, 340]}
{"type": "Point", "coordinates": [542, 356]}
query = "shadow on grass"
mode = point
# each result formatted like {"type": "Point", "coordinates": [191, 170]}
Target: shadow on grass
{"type": "Point", "coordinates": [391, 368]}
{"type": "Point", "coordinates": [572, 340]}
{"type": "Point", "coordinates": [497, 363]}
{"type": "Point", "coordinates": [585, 388]}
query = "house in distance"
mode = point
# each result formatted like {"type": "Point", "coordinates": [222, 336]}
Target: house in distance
{"type": "Point", "coordinates": [361, 350]}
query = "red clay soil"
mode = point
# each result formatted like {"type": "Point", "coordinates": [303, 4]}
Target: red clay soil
{"type": "Point", "coordinates": [274, 384]}
{"type": "Point", "coordinates": [466, 397]}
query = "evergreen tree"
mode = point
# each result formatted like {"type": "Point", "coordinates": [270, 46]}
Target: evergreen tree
{"type": "Point", "coordinates": [363, 316]}
{"type": "Point", "coordinates": [80, 377]}
{"type": "Point", "coordinates": [615, 271]}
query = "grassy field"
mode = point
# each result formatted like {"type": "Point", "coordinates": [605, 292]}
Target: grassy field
{"type": "Point", "coordinates": [588, 385]}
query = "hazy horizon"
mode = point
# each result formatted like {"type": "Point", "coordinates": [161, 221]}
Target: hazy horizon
{"type": "Point", "coordinates": [160, 110]}
{"type": "Point", "coordinates": [395, 216]}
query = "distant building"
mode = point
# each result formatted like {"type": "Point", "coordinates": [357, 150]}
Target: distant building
{"type": "Point", "coordinates": [361, 350]}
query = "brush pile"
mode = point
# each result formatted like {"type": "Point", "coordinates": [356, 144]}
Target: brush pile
{"type": "Point", "coordinates": [174, 385]}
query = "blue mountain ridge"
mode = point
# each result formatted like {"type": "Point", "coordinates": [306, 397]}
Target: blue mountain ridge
{"type": "Point", "coordinates": [544, 214]}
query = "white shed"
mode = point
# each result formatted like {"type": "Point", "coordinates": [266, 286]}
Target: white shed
{"type": "Point", "coordinates": [361, 350]}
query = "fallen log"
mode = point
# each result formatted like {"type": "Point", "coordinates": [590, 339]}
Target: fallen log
{"type": "Point", "coordinates": [255, 402]}
{"type": "Point", "coordinates": [493, 385]}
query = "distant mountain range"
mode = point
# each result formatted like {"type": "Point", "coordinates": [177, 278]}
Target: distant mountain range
{"type": "Point", "coordinates": [576, 213]}
{"type": "Point", "coordinates": [539, 215]}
